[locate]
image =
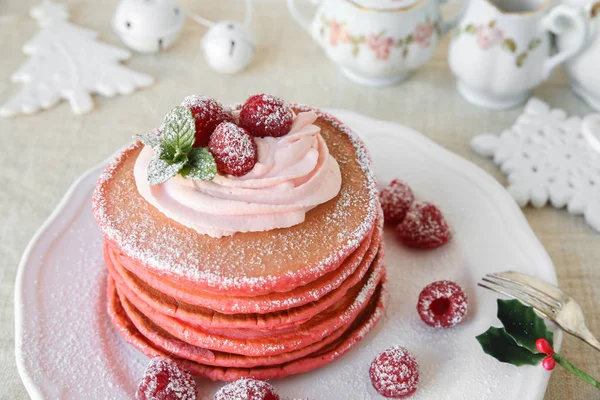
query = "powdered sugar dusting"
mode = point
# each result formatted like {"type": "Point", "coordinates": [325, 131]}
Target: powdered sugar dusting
{"type": "Point", "coordinates": [220, 269]}
{"type": "Point", "coordinates": [234, 149]}
{"type": "Point", "coordinates": [396, 200]}
{"type": "Point", "coordinates": [449, 314]}
{"type": "Point", "coordinates": [247, 389]}
{"type": "Point", "coordinates": [395, 373]}
{"type": "Point", "coordinates": [164, 379]}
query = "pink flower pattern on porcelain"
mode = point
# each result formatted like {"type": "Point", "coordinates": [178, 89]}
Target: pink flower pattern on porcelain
{"type": "Point", "coordinates": [380, 45]}
{"type": "Point", "coordinates": [337, 33]}
{"type": "Point", "coordinates": [423, 34]}
{"type": "Point", "coordinates": [488, 37]}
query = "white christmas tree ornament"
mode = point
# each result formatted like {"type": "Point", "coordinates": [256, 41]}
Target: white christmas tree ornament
{"type": "Point", "coordinates": [549, 157]}
{"type": "Point", "coordinates": [66, 62]}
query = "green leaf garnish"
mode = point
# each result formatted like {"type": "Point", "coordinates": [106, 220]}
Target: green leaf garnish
{"type": "Point", "coordinates": [175, 152]}
{"type": "Point", "coordinates": [178, 134]}
{"type": "Point", "coordinates": [500, 345]}
{"type": "Point", "coordinates": [149, 139]}
{"type": "Point", "coordinates": [160, 171]}
{"type": "Point", "coordinates": [523, 324]}
{"type": "Point", "coordinates": [201, 165]}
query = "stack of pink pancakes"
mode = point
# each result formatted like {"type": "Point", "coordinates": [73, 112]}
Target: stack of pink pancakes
{"type": "Point", "coordinates": [262, 304]}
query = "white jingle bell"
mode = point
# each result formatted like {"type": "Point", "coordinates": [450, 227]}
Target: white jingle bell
{"type": "Point", "coordinates": [228, 47]}
{"type": "Point", "coordinates": [148, 26]}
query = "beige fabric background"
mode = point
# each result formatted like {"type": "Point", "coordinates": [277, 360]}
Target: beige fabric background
{"type": "Point", "coordinates": [41, 155]}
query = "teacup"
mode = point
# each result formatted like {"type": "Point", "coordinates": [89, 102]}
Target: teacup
{"type": "Point", "coordinates": [376, 42]}
{"type": "Point", "coordinates": [503, 48]}
{"type": "Point", "coordinates": [584, 68]}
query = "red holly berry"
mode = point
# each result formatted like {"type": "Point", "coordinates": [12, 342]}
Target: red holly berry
{"type": "Point", "coordinates": [247, 389]}
{"type": "Point", "coordinates": [424, 227]}
{"type": "Point", "coordinates": [165, 380]}
{"type": "Point", "coordinates": [234, 150]}
{"type": "Point", "coordinates": [264, 115]}
{"type": "Point", "coordinates": [395, 373]}
{"type": "Point", "coordinates": [544, 346]}
{"type": "Point", "coordinates": [442, 304]}
{"type": "Point", "coordinates": [395, 200]}
{"type": "Point", "coordinates": [208, 113]}
{"type": "Point", "coordinates": [549, 363]}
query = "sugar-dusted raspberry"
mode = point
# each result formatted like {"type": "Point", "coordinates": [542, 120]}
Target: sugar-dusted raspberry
{"type": "Point", "coordinates": [264, 115]}
{"type": "Point", "coordinates": [424, 227]}
{"type": "Point", "coordinates": [247, 389]}
{"type": "Point", "coordinates": [234, 150]}
{"type": "Point", "coordinates": [165, 380]}
{"type": "Point", "coordinates": [396, 199]}
{"type": "Point", "coordinates": [395, 373]}
{"type": "Point", "coordinates": [442, 304]}
{"type": "Point", "coordinates": [208, 113]}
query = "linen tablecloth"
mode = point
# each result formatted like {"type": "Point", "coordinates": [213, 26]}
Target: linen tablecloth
{"type": "Point", "coordinates": [41, 155]}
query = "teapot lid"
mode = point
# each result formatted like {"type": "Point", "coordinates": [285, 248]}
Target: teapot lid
{"type": "Point", "coordinates": [384, 5]}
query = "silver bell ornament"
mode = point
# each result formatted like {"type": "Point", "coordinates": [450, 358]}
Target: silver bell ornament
{"type": "Point", "coordinates": [148, 26]}
{"type": "Point", "coordinates": [228, 46]}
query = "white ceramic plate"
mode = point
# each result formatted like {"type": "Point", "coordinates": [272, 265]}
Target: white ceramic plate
{"type": "Point", "coordinates": [67, 348]}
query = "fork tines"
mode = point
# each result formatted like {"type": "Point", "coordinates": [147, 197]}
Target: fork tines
{"type": "Point", "coordinates": [520, 287]}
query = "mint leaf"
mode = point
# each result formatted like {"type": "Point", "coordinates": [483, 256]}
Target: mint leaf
{"type": "Point", "coordinates": [523, 324]}
{"type": "Point", "coordinates": [500, 345]}
{"type": "Point", "coordinates": [178, 134]}
{"type": "Point", "coordinates": [201, 165]}
{"type": "Point", "coordinates": [149, 139]}
{"type": "Point", "coordinates": [160, 171]}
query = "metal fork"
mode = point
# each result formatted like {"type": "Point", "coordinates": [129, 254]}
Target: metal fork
{"type": "Point", "coordinates": [546, 299]}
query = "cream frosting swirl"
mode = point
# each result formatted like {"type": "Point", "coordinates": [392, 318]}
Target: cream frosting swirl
{"type": "Point", "coordinates": [294, 174]}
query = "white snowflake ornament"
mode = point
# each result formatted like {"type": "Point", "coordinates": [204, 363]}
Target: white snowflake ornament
{"type": "Point", "coordinates": [66, 62]}
{"type": "Point", "coordinates": [547, 158]}
{"type": "Point", "coordinates": [148, 26]}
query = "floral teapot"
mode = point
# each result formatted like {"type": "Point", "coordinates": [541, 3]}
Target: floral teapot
{"type": "Point", "coordinates": [584, 67]}
{"type": "Point", "coordinates": [376, 42]}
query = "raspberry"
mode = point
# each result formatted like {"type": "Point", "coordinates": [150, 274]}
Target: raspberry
{"type": "Point", "coordinates": [396, 199]}
{"type": "Point", "coordinates": [165, 380]}
{"type": "Point", "coordinates": [208, 113]}
{"type": "Point", "coordinates": [264, 115]}
{"type": "Point", "coordinates": [234, 150]}
{"type": "Point", "coordinates": [247, 389]}
{"type": "Point", "coordinates": [395, 373]}
{"type": "Point", "coordinates": [424, 227]}
{"type": "Point", "coordinates": [442, 304]}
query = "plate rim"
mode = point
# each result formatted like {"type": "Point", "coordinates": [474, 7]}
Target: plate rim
{"type": "Point", "coordinates": [61, 212]}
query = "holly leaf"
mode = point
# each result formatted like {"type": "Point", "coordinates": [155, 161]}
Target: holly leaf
{"type": "Point", "coordinates": [178, 134]}
{"type": "Point", "coordinates": [201, 165]}
{"type": "Point", "coordinates": [149, 139]}
{"type": "Point", "coordinates": [160, 171]}
{"type": "Point", "coordinates": [523, 324]}
{"type": "Point", "coordinates": [500, 345]}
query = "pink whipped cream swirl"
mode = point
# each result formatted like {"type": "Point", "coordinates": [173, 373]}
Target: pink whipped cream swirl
{"type": "Point", "coordinates": [294, 174]}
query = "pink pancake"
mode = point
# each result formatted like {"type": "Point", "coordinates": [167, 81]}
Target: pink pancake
{"type": "Point", "coordinates": [304, 335]}
{"type": "Point", "coordinates": [165, 341]}
{"type": "Point", "coordinates": [250, 263]}
{"type": "Point", "coordinates": [360, 327]}
{"type": "Point", "coordinates": [270, 303]}
{"type": "Point", "coordinates": [206, 318]}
